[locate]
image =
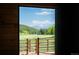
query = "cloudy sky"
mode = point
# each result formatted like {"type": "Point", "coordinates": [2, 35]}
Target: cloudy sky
{"type": "Point", "coordinates": [37, 17]}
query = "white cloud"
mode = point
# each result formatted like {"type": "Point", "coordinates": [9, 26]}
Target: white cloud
{"type": "Point", "coordinates": [41, 22]}
{"type": "Point", "coordinates": [48, 9]}
{"type": "Point", "coordinates": [43, 13]}
{"type": "Point", "coordinates": [44, 9]}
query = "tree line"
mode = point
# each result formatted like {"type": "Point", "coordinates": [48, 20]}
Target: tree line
{"type": "Point", "coordinates": [50, 30]}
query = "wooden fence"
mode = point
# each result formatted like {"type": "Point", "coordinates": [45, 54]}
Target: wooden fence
{"type": "Point", "coordinates": [35, 45]}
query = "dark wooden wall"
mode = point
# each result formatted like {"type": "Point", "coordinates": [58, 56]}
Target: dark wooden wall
{"type": "Point", "coordinates": [68, 29]}
{"type": "Point", "coordinates": [9, 27]}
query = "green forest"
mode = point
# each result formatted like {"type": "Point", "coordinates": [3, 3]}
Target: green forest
{"type": "Point", "coordinates": [30, 30]}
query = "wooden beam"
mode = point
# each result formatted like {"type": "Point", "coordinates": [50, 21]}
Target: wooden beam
{"type": "Point", "coordinates": [47, 45]}
{"type": "Point", "coordinates": [37, 46]}
{"type": "Point", "coordinates": [27, 46]}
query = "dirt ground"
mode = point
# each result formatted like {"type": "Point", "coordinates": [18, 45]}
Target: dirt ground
{"type": "Point", "coordinates": [33, 53]}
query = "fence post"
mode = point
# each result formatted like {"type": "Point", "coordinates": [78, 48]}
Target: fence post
{"type": "Point", "coordinates": [47, 45]}
{"type": "Point", "coordinates": [27, 47]}
{"type": "Point", "coordinates": [37, 46]}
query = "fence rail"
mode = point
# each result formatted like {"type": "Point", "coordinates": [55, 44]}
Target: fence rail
{"type": "Point", "coordinates": [37, 45]}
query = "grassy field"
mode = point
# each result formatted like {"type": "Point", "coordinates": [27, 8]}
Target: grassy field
{"type": "Point", "coordinates": [43, 38]}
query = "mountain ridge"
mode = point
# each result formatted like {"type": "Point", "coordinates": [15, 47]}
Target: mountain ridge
{"type": "Point", "coordinates": [30, 30]}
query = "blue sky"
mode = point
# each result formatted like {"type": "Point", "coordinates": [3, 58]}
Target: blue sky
{"type": "Point", "coordinates": [36, 17]}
